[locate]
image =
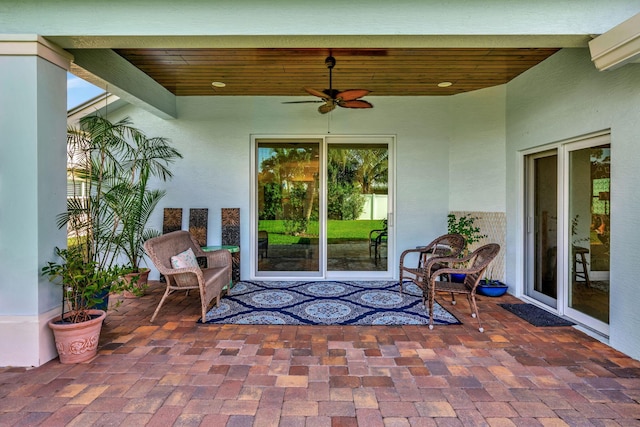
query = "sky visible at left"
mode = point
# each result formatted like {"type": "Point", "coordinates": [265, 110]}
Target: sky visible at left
{"type": "Point", "coordinates": [80, 91]}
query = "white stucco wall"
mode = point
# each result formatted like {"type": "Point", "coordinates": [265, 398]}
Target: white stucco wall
{"type": "Point", "coordinates": [565, 97]}
{"type": "Point", "coordinates": [477, 151]}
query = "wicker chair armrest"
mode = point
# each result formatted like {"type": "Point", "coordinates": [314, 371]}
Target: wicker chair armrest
{"type": "Point", "coordinates": [419, 249]}
{"type": "Point", "coordinates": [444, 260]}
{"type": "Point", "coordinates": [454, 260]}
{"type": "Point", "coordinates": [173, 271]}
{"type": "Point", "coordinates": [450, 270]}
{"type": "Point", "coordinates": [218, 258]}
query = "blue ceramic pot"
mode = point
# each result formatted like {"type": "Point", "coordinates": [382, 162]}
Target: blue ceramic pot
{"type": "Point", "coordinates": [494, 288]}
{"type": "Point", "coordinates": [457, 278]}
{"type": "Point", "coordinates": [104, 303]}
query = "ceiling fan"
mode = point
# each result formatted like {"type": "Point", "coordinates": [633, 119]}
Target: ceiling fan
{"type": "Point", "coordinates": [331, 97]}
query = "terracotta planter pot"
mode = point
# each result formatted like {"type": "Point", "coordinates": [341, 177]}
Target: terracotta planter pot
{"type": "Point", "coordinates": [141, 283]}
{"type": "Point", "coordinates": [77, 342]}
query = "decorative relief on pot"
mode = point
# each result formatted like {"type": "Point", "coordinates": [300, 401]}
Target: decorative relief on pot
{"type": "Point", "coordinates": [78, 346]}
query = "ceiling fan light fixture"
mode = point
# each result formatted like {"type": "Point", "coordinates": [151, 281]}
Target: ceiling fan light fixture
{"type": "Point", "coordinates": [218, 84]}
{"type": "Point", "coordinates": [445, 84]}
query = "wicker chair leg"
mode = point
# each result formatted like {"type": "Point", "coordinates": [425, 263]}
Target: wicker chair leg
{"type": "Point", "coordinates": [432, 296]}
{"type": "Point", "coordinates": [425, 296]}
{"type": "Point", "coordinates": [474, 307]}
{"type": "Point", "coordinates": [164, 297]}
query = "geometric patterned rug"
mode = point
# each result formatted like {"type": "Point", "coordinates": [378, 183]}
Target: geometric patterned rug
{"type": "Point", "coordinates": [325, 303]}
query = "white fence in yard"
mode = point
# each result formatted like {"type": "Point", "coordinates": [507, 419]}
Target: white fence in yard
{"type": "Point", "coordinates": [375, 206]}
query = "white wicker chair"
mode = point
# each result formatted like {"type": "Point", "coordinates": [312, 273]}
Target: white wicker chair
{"type": "Point", "coordinates": [210, 281]}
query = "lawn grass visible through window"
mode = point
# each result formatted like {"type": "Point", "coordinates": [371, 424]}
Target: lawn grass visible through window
{"type": "Point", "coordinates": [338, 231]}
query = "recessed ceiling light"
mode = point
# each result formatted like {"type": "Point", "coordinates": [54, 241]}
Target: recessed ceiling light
{"type": "Point", "coordinates": [444, 84]}
{"type": "Point", "coordinates": [218, 84]}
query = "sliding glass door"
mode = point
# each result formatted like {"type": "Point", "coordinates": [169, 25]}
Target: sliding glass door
{"type": "Point", "coordinates": [322, 207]}
{"type": "Point", "coordinates": [542, 227]}
{"type": "Point", "coordinates": [357, 206]}
{"type": "Point", "coordinates": [589, 210]}
{"type": "Point", "coordinates": [288, 206]}
{"type": "Point", "coordinates": [567, 229]}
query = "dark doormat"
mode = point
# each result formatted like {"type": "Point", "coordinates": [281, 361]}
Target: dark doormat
{"type": "Point", "coordinates": [535, 315]}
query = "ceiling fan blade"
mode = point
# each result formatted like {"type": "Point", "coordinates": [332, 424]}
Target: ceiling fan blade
{"type": "Point", "coordinates": [351, 94]}
{"type": "Point", "coordinates": [356, 103]}
{"type": "Point", "coordinates": [327, 107]}
{"type": "Point", "coordinates": [317, 93]}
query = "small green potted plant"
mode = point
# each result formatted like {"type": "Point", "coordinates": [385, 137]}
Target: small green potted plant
{"type": "Point", "coordinates": [84, 286]}
{"type": "Point", "coordinates": [465, 226]}
{"type": "Point", "coordinates": [490, 287]}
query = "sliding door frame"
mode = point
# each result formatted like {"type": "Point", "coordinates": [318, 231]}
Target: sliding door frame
{"type": "Point", "coordinates": [323, 274]}
{"type": "Point", "coordinates": [562, 148]}
{"type": "Point", "coordinates": [530, 239]}
{"type": "Point", "coordinates": [575, 145]}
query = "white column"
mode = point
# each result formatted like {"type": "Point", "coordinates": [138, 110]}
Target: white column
{"type": "Point", "coordinates": [32, 192]}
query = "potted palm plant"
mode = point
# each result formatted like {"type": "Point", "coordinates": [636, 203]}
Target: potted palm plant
{"type": "Point", "coordinates": [104, 170]}
{"type": "Point", "coordinates": [133, 201]}
{"type": "Point", "coordinates": [114, 163]}
{"type": "Point", "coordinates": [87, 271]}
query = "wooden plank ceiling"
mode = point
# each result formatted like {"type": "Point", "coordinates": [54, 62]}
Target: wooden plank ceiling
{"type": "Point", "coordinates": [284, 72]}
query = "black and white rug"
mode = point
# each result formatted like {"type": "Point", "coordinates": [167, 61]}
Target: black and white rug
{"type": "Point", "coordinates": [325, 303]}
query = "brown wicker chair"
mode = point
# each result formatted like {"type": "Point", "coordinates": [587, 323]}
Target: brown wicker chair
{"type": "Point", "coordinates": [448, 245]}
{"type": "Point", "coordinates": [210, 281]}
{"type": "Point", "coordinates": [472, 266]}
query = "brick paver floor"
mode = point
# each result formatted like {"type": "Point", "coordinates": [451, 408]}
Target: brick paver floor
{"type": "Point", "coordinates": [176, 372]}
